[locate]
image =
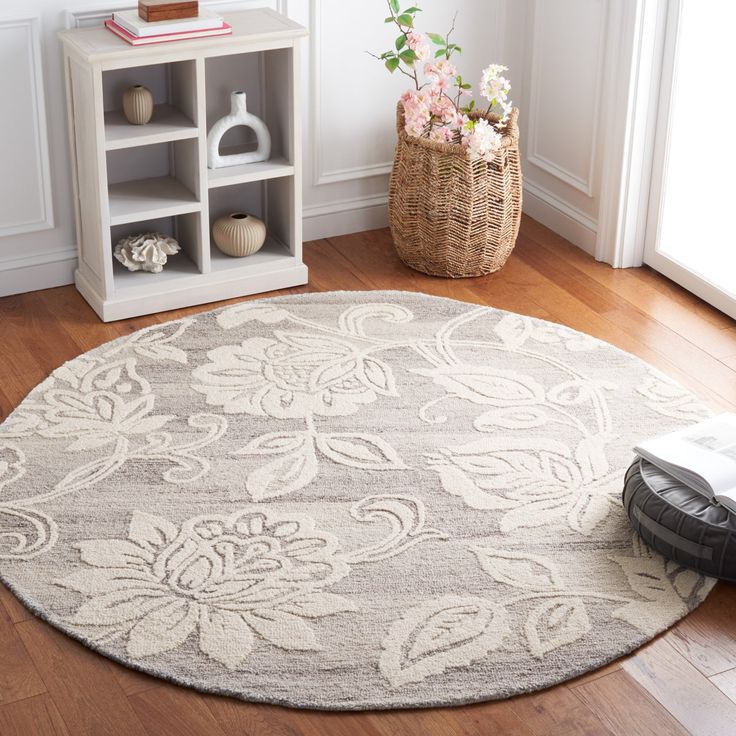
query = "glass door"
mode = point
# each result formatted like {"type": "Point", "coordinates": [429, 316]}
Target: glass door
{"type": "Point", "coordinates": [691, 226]}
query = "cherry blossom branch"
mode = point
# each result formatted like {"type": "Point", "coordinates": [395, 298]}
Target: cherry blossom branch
{"type": "Point", "coordinates": [413, 77]}
{"type": "Point", "coordinates": [449, 49]}
{"type": "Point", "coordinates": [413, 74]}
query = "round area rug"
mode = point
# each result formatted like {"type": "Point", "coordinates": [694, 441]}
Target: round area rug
{"type": "Point", "coordinates": [343, 500]}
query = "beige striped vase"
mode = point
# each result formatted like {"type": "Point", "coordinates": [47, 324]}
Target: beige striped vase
{"type": "Point", "coordinates": [138, 104]}
{"type": "Point", "coordinates": [239, 234]}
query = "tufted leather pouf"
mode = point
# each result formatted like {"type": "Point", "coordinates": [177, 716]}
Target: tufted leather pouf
{"type": "Point", "coordinates": [679, 522]}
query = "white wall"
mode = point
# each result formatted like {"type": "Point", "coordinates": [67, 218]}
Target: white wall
{"type": "Point", "coordinates": [559, 52]}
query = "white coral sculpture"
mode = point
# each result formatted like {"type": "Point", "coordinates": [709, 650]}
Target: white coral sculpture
{"type": "Point", "coordinates": [146, 252]}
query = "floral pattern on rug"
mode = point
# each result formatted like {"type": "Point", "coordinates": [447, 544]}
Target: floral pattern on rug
{"type": "Point", "coordinates": [227, 579]}
{"type": "Point", "coordinates": [343, 501]}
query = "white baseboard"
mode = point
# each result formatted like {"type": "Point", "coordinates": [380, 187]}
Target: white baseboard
{"type": "Point", "coordinates": [41, 271]}
{"type": "Point", "coordinates": [344, 217]}
{"type": "Point", "coordinates": [569, 222]}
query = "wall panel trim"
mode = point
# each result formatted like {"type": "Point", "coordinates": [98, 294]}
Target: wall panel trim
{"type": "Point", "coordinates": [560, 216]}
{"type": "Point", "coordinates": [321, 177]}
{"type": "Point", "coordinates": [582, 184]}
{"type": "Point", "coordinates": [45, 220]}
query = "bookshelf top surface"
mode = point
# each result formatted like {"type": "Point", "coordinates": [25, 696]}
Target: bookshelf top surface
{"type": "Point", "coordinates": [97, 44]}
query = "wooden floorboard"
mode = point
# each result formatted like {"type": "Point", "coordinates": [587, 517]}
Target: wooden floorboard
{"type": "Point", "coordinates": [37, 716]}
{"type": "Point", "coordinates": [699, 705]}
{"type": "Point", "coordinates": [19, 677]}
{"type": "Point", "coordinates": [726, 683]}
{"type": "Point", "coordinates": [173, 711]}
{"type": "Point", "coordinates": [684, 682]}
{"type": "Point", "coordinates": [626, 708]}
{"type": "Point", "coordinates": [707, 638]}
{"type": "Point", "coordinates": [559, 712]}
{"type": "Point", "coordinates": [80, 683]}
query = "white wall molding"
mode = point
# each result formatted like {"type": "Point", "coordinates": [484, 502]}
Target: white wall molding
{"type": "Point", "coordinates": [559, 172]}
{"type": "Point", "coordinates": [345, 216]}
{"type": "Point", "coordinates": [635, 67]}
{"type": "Point", "coordinates": [36, 118]}
{"type": "Point", "coordinates": [583, 181]}
{"type": "Point", "coordinates": [344, 205]}
{"type": "Point", "coordinates": [320, 176]}
{"type": "Point", "coordinates": [560, 216]}
{"type": "Point", "coordinates": [357, 172]}
{"type": "Point", "coordinates": [10, 263]}
{"type": "Point", "coordinates": [19, 274]}
{"type": "Point", "coordinates": [91, 16]}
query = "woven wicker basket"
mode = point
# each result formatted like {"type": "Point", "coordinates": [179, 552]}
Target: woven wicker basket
{"type": "Point", "coordinates": [450, 215]}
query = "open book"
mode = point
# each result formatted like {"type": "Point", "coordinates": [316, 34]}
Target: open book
{"type": "Point", "coordinates": [702, 457]}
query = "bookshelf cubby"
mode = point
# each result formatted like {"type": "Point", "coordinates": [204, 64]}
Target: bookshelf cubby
{"type": "Point", "coordinates": [136, 178]}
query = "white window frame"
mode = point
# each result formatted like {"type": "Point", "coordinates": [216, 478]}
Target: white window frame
{"type": "Point", "coordinates": [653, 256]}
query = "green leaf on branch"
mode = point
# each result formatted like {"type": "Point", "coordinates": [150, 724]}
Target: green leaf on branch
{"type": "Point", "coordinates": [435, 38]}
{"type": "Point", "coordinates": [465, 86]}
{"type": "Point", "coordinates": [400, 42]}
{"type": "Point", "coordinates": [413, 9]}
{"type": "Point", "coordinates": [387, 54]}
{"type": "Point", "coordinates": [390, 19]}
{"type": "Point", "coordinates": [394, 6]}
{"type": "Point", "coordinates": [439, 53]}
{"type": "Point", "coordinates": [406, 20]}
{"type": "Point", "coordinates": [392, 64]}
{"type": "Point", "coordinates": [408, 56]}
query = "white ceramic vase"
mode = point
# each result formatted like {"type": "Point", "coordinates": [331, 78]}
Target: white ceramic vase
{"type": "Point", "coordinates": [138, 104]}
{"type": "Point", "coordinates": [239, 115]}
{"type": "Point", "coordinates": [239, 234]}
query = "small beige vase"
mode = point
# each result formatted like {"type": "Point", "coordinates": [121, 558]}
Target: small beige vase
{"type": "Point", "coordinates": [138, 104]}
{"type": "Point", "coordinates": [239, 234]}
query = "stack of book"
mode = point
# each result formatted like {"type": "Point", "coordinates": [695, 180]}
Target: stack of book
{"type": "Point", "coordinates": [702, 457]}
{"type": "Point", "coordinates": [158, 21]}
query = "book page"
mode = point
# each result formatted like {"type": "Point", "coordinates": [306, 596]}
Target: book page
{"type": "Point", "coordinates": [717, 434]}
{"type": "Point", "coordinates": [707, 449]}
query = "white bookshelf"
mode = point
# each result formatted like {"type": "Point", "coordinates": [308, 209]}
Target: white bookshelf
{"type": "Point", "coordinates": [133, 178]}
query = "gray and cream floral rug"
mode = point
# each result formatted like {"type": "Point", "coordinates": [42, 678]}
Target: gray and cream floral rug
{"type": "Point", "coordinates": [343, 500]}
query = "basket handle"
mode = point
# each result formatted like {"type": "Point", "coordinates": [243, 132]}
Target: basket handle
{"type": "Point", "coordinates": [512, 125]}
{"type": "Point", "coordinates": [399, 117]}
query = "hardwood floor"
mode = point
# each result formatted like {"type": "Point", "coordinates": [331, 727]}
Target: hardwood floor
{"type": "Point", "coordinates": [683, 682]}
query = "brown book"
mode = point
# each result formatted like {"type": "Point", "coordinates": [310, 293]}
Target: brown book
{"type": "Point", "coordinates": [155, 10]}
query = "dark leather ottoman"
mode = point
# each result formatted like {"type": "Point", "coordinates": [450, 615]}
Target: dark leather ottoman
{"type": "Point", "coordinates": [679, 523]}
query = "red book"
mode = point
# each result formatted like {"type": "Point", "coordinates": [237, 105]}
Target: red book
{"type": "Point", "coordinates": [224, 30]}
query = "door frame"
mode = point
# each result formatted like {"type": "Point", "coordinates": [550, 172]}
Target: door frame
{"type": "Point", "coordinates": [636, 40]}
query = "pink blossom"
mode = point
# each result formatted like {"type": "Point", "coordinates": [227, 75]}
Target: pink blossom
{"type": "Point", "coordinates": [461, 120]}
{"type": "Point", "coordinates": [442, 84]}
{"type": "Point", "coordinates": [417, 112]}
{"type": "Point", "coordinates": [442, 134]}
{"type": "Point", "coordinates": [440, 69]}
{"type": "Point", "coordinates": [419, 44]}
{"type": "Point", "coordinates": [443, 108]}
